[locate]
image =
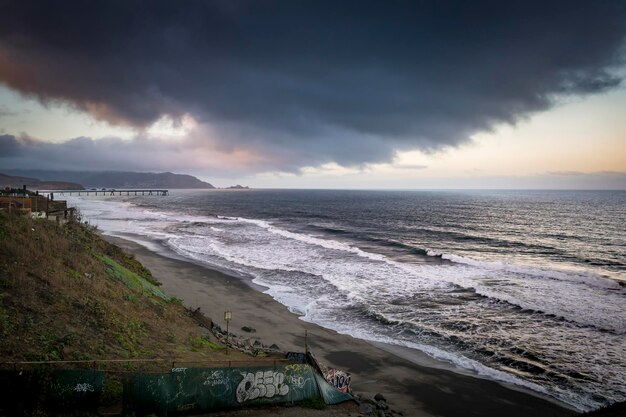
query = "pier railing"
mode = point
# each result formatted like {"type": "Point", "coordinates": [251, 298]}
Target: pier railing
{"type": "Point", "coordinates": [109, 192]}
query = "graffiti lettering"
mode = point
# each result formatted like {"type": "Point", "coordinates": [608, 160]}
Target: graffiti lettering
{"type": "Point", "coordinates": [296, 381]}
{"type": "Point", "coordinates": [339, 379]}
{"type": "Point", "coordinates": [183, 407]}
{"type": "Point", "coordinates": [83, 388]}
{"type": "Point", "coordinates": [296, 357]}
{"type": "Point", "coordinates": [215, 378]}
{"type": "Point", "coordinates": [262, 384]}
{"type": "Point", "coordinates": [179, 369]}
{"type": "Point", "coordinates": [295, 368]}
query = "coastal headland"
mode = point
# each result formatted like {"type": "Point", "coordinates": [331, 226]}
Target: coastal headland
{"type": "Point", "coordinates": [411, 384]}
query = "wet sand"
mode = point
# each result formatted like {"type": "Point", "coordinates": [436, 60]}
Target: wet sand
{"type": "Point", "coordinates": [412, 382]}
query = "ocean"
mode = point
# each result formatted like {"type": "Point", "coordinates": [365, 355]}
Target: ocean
{"type": "Point", "coordinates": [524, 287]}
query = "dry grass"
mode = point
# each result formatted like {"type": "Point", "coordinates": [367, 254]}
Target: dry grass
{"type": "Point", "coordinates": [66, 294]}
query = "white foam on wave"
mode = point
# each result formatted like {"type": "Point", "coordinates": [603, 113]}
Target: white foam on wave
{"type": "Point", "coordinates": [314, 240]}
{"type": "Point", "coordinates": [587, 278]}
{"type": "Point", "coordinates": [364, 280]}
{"type": "Point", "coordinates": [273, 255]}
{"type": "Point", "coordinates": [551, 302]}
{"type": "Point", "coordinates": [603, 308]}
{"type": "Point", "coordinates": [457, 360]}
{"type": "Point", "coordinates": [374, 270]}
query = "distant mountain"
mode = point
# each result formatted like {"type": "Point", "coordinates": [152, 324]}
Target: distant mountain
{"type": "Point", "coordinates": [237, 187]}
{"type": "Point", "coordinates": [36, 184]}
{"type": "Point", "coordinates": [119, 179]}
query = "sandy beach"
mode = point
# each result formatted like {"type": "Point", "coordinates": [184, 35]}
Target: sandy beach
{"type": "Point", "coordinates": [412, 383]}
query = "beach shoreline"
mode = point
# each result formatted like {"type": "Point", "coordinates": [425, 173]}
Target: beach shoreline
{"type": "Point", "coordinates": [413, 382]}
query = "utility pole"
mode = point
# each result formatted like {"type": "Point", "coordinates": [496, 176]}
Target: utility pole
{"type": "Point", "coordinates": [228, 315]}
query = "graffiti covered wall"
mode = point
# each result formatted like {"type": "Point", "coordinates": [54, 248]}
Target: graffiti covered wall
{"type": "Point", "coordinates": [209, 388]}
{"type": "Point", "coordinates": [181, 389]}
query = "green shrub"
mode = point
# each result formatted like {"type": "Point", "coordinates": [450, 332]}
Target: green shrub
{"type": "Point", "coordinates": [112, 391]}
{"type": "Point", "coordinates": [200, 342]}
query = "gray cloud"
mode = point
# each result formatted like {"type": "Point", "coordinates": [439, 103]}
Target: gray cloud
{"type": "Point", "coordinates": [5, 111]}
{"type": "Point", "coordinates": [312, 82]}
{"type": "Point", "coordinates": [85, 154]}
{"type": "Point", "coordinates": [9, 146]}
{"type": "Point", "coordinates": [140, 154]}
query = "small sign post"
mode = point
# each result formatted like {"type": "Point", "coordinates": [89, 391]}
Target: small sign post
{"type": "Point", "coordinates": [228, 315]}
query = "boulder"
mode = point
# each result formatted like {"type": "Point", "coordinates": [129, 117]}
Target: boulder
{"type": "Point", "coordinates": [370, 401]}
{"type": "Point", "coordinates": [366, 409]}
{"type": "Point", "coordinates": [379, 397]}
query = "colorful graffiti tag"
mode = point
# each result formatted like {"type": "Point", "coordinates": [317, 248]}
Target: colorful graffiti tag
{"type": "Point", "coordinates": [339, 379]}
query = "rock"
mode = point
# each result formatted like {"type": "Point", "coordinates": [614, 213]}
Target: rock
{"type": "Point", "coordinates": [274, 347]}
{"type": "Point", "coordinates": [379, 397]}
{"type": "Point", "coordinates": [370, 401]}
{"type": "Point", "coordinates": [382, 405]}
{"type": "Point", "coordinates": [257, 344]}
{"type": "Point", "coordinates": [381, 413]}
{"type": "Point", "coordinates": [248, 329]}
{"type": "Point", "coordinates": [365, 408]}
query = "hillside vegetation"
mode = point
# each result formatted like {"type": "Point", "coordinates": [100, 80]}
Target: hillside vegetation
{"type": "Point", "coordinates": [118, 179]}
{"type": "Point", "coordinates": [67, 294]}
{"type": "Point", "coordinates": [36, 184]}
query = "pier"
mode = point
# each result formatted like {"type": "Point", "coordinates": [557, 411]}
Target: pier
{"type": "Point", "coordinates": [109, 192]}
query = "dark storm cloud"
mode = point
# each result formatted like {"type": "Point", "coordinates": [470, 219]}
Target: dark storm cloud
{"type": "Point", "coordinates": [317, 81]}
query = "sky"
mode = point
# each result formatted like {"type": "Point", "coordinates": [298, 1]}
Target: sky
{"type": "Point", "coordinates": [319, 94]}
